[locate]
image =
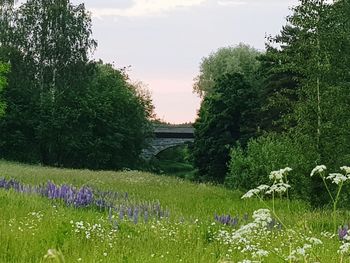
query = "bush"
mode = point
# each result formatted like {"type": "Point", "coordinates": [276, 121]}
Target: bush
{"type": "Point", "coordinates": [250, 168]}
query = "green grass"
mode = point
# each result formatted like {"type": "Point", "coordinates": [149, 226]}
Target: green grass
{"type": "Point", "coordinates": [26, 237]}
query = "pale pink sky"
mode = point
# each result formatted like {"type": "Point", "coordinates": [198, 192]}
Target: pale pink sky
{"type": "Point", "coordinates": [165, 40]}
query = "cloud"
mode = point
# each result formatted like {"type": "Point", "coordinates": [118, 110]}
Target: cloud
{"type": "Point", "coordinates": [146, 8]}
{"type": "Point", "coordinates": [231, 2]}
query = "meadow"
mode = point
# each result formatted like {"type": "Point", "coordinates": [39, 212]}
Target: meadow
{"type": "Point", "coordinates": [141, 217]}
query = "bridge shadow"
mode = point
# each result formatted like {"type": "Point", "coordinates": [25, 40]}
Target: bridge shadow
{"type": "Point", "coordinates": [174, 161]}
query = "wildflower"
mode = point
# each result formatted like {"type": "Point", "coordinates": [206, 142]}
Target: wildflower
{"type": "Point", "coordinates": [262, 217]}
{"type": "Point", "coordinates": [327, 234]}
{"type": "Point", "coordinates": [286, 170]}
{"type": "Point", "coordinates": [337, 178]}
{"type": "Point", "coordinates": [263, 187]}
{"type": "Point", "coordinates": [226, 220]}
{"type": "Point", "coordinates": [314, 241]}
{"type": "Point", "coordinates": [279, 188]}
{"type": "Point", "coordinates": [344, 249]}
{"type": "Point", "coordinates": [276, 175]}
{"type": "Point", "coordinates": [54, 254]}
{"type": "Point", "coordinates": [318, 169]}
{"type": "Point", "coordinates": [343, 232]}
{"type": "Point", "coordinates": [346, 169]}
{"type": "Point", "coordinates": [260, 253]}
{"type": "Point", "coordinates": [251, 193]}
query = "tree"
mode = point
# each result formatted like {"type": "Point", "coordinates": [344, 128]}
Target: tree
{"type": "Point", "coordinates": [56, 35]}
{"type": "Point", "coordinates": [228, 60]}
{"type": "Point", "coordinates": [280, 82]}
{"type": "Point", "coordinates": [109, 126]}
{"type": "Point", "coordinates": [308, 82]}
{"type": "Point", "coordinates": [3, 70]}
{"type": "Point", "coordinates": [47, 44]}
{"type": "Point", "coordinates": [219, 126]}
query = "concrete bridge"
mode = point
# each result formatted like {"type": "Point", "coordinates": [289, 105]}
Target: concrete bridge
{"type": "Point", "coordinates": [167, 137]}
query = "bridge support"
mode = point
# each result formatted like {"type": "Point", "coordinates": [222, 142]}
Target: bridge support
{"type": "Point", "coordinates": [160, 144]}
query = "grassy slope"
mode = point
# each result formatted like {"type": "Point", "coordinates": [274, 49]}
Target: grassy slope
{"type": "Point", "coordinates": [25, 238]}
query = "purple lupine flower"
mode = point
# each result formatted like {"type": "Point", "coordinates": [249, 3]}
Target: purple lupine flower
{"type": "Point", "coordinates": [145, 215]}
{"type": "Point", "coordinates": [227, 220]}
{"type": "Point", "coordinates": [130, 212]}
{"type": "Point", "coordinates": [343, 232]}
{"type": "Point", "coordinates": [121, 213]}
{"type": "Point", "coordinates": [110, 215]}
{"type": "Point", "coordinates": [2, 182]}
{"type": "Point", "coordinates": [84, 197]}
{"type": "Point", "coordinates": [136, 215]}
{"type": "Point", "coordinates": [51, 190]}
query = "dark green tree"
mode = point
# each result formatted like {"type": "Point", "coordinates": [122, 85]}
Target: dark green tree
{"type": "Point", "coordinates": [3, 82]}
{"type": "Point", "coordinates": [280, 82]}
{"type": "Point", "coordinates": [109, 125]}
{"type": "Point", "coordinates": [56, 36]}
{"type": "Point", "coordinates": [64, 110]}
{"type": "Point", "coordinates": [220, 125]}
{"type": "Point", "coordinates": [307, 84]}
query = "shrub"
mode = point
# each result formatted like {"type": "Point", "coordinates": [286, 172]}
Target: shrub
{"type": "Point", "coordinates": [248, 168]}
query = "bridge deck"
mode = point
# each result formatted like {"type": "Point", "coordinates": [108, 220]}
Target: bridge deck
{"type": "Point", "coordinates": [186, 131]}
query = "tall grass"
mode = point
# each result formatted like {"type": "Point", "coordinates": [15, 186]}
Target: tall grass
{"type": "Point", "coordinates": [30, 225]}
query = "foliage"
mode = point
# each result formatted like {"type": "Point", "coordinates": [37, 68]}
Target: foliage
{"type": "Point", "coordinates": [228, 60]}
{"type": "Point", "coordinates": [280, 83]}
{"type": "Point", "coordinates": [174, 161]}
{"type": "Point", "coordinates": [304, 99]}
{"type": "Point", "coordinates": [313, 48]}
{"type": "Point", "coordinates": [220, 124]}
{"type": "Point", "coordinates": [3, 82]}
{"type": "Point", "coordinates": [248, 168]}
{"type": "Point", "coordinates": [64, 110]}
{"type": "Point", "coordinates": [110, 126]}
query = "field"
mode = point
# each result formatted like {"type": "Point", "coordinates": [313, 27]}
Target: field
{"type": "Point", "coordinates": [153, 219]}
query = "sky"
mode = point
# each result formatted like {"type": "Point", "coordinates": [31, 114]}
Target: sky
{"type": "Point", "coordinates": [164, 41]}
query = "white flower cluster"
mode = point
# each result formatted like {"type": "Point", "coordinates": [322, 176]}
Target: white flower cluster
{"type": "Point", "coordinates": [327, 235]}
{"type": "Point", "coordinates": [346, 169]}
{"type": "Point", "coordinates": [344, 249]}
{"type": "Point", "coordinates": [253, 241]}
{"type": "Point", "coordinates": [243, 239]}
{"type": "Point", "coordinates": [304, 252]}
{"type": "Point", "coordinates": [29, 224]}
{"type": "Point", "coordinates": [278, 188]}
{"type": "Point", "coordinates": [336, 178]}
{"type": "Point", "coordinates": [280, 184]}
{"type": "Point", "coordinates": [248, 261]}
{"type": "Point", "coordinates": [318, 169]}
{"type": "Point", "coordinates": [94, 231]}
{"type": "Point", "coordinates": [278, 175]}
{"type": "Point", "coordinates": [262, 217]}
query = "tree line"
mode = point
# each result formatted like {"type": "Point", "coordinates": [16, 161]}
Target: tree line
{"type": "Point", "coordinates": [287, 106]}
{"type": "Point", "coordinates": [59, 107]}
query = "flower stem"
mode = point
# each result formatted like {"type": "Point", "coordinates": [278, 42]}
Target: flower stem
{"type": "Point", "coordinates": [335, 207]}
{"type": "Point", "coordinates": [329, 192]}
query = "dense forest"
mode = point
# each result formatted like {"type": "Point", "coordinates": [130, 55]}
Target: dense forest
{"type": "Point", "coordinates": [62, 108]}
